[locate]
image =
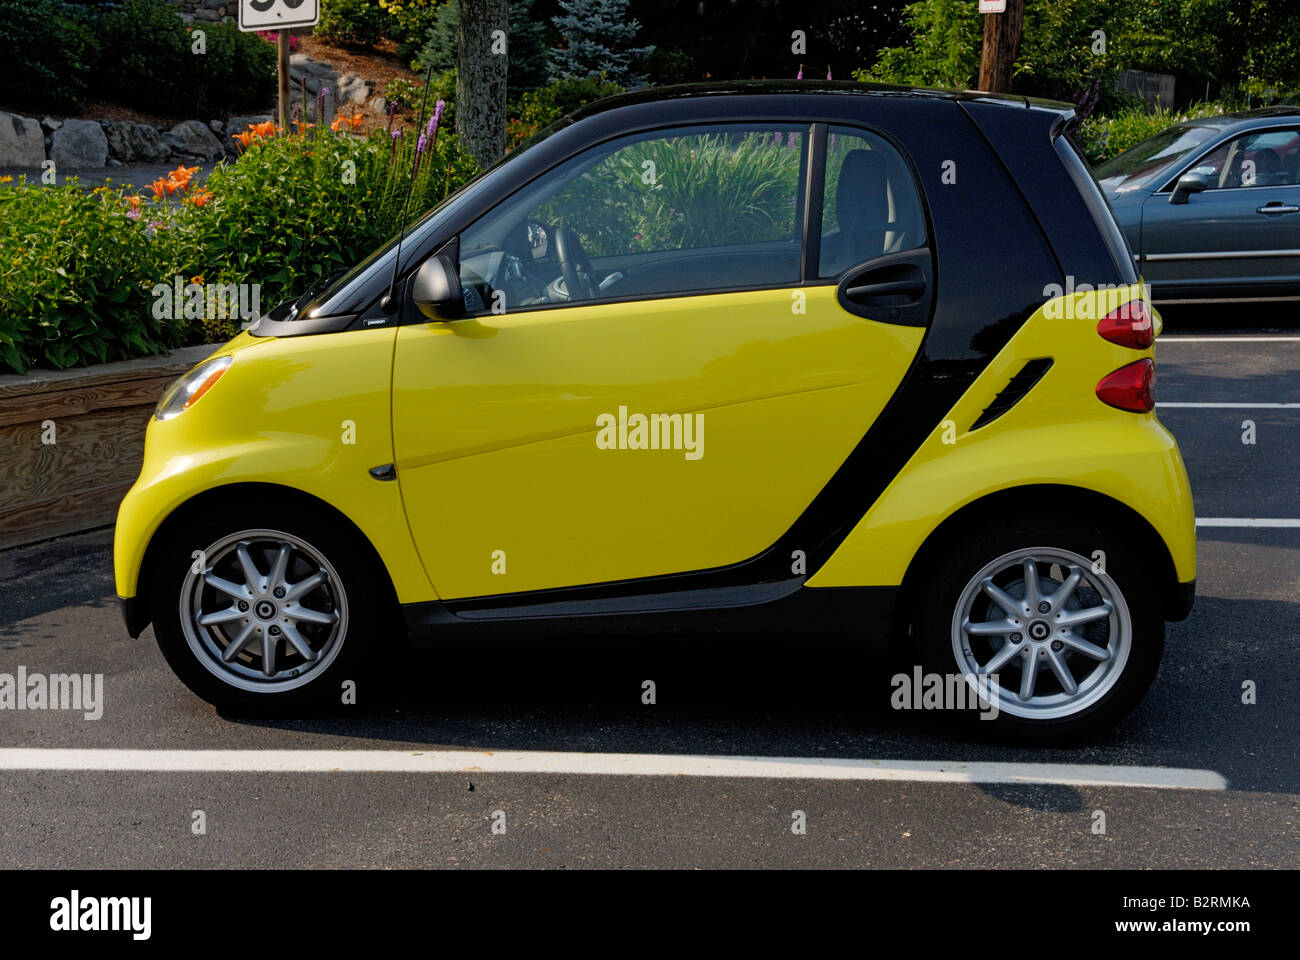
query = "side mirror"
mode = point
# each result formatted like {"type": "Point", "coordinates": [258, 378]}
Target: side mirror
{"type": "Point", "coordinates": [436, 290]}
{"type": "Point", "coordinates": [1188, 184]}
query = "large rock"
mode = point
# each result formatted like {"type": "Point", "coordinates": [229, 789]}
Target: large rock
{"type": "Point", "coordinates": [316, 74]}
{"type": "Point", "coordinates": [352, 89]}
{"type": "Point", "coordinates": [79, 143]}
{"type": "Point", "coordinates": [22, 142]}
{"type": "Point", "coordinates": [130, 142]}
{"type": "Point", "coordinates": [192, 138]}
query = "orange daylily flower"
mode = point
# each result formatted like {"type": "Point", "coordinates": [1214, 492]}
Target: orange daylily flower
{"type": "Point", "coordinates": [161, 188]}
{"type": "Point", "coordinates": [257, 131]}
{"type": "Point", "coordinates": [351, 122]}
{"type": "Point", "coordinates": [181, 177]}
{"type": "Point", "coordinates": [200, 197]}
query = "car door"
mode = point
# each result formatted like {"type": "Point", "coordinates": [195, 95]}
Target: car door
{"type": "Point", "coordinates": [1240, 237]}
{"type": "Point", "coordinates": [648, 381]}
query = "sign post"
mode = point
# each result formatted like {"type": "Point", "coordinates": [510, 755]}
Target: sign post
{"type": "Point", "coordinates": [1003, 23]}
{"type": "Point", "coordinates": [279, 15]}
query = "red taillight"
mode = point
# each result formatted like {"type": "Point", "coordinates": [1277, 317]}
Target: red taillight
{"type": "Point", "coordinates": [1130, 388]}
{"type": "Point", "coordinates": [1129, 326]}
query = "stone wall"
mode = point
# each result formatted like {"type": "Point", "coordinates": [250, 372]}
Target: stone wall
{"type": "Point", "coordinates": [91, 144]}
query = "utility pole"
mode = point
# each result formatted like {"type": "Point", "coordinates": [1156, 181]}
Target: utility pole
{"type": "Point", "coordinates": [1001, 45]}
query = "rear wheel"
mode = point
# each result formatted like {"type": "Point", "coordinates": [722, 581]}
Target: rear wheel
{"type": "Point", "coordinates": [267, 616]}
{"type": "Point", "coordinates": [1059, 627]}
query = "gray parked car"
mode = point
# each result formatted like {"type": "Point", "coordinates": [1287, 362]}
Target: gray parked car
{"type": "Point", "coordinates": [1211, 207]}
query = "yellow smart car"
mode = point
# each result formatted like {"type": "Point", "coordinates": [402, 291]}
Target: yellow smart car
{"type": "Point", "coordinates": [815, 357]}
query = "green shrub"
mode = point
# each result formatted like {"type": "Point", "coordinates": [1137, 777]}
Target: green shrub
{"type": "Point", "coordinates": [238, 72]}
{"type": "Point", "coordinates": [148, 62]}
{"type": "Point", "coordinates": [408, 23]}
{"type": "Point", "coordinates": [77, 270]}
{"type": "Point", "coordinates": [1104, 137]}
{"type": "Point", "coordinates": [540, 108]}
{"type": "Point", "coordinates": [48, 52]}
{"type": "Point", "coordinates": [360, 22]}
{"type": "Point", "coordinates": [148, 56]}
{"type": "Point", "coordinates": [75, 276]}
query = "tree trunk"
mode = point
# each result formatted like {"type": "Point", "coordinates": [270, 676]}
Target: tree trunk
{"type": "Point", "coordinates": [1001, 44]}
{"type": "Point", "coordinates": [481, 79]}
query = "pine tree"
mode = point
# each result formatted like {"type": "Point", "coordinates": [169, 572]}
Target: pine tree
{"type": "Point", "coordinates": [598, 36]}
{"type": "Point", "coordinates": [527, 47]}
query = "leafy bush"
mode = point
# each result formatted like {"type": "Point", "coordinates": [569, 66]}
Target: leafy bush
{"type": "Point", "coordinates": [48, 52]}
{"type": "Point", "coordinates": [239, 72]}
{"type": "Point", "coordinates": [77, 269]}
{"type": "Point", "coordinates": [540, 108]}
{"type": "Point", "coordinates": [149, 63]}
{"type": "Point", "coordinates": [409, 21]}
{"type": "Point", "coordinates": [360, 22]}
{"type": "Point", "coordinates": [1104, 137]}
{"type": "Point", "coordinates": [402, 93]}
{"type": "Point", "coordinates": [75, 275]}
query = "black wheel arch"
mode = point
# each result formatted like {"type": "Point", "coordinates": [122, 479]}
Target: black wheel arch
{"type": "Point", "coordinates": [969, 519]}
{"type": "Point", "coordinates": [218, 499]}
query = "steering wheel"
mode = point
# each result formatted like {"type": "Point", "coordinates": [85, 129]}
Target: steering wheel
{"type": "Point", "coordinates": [575, 265]}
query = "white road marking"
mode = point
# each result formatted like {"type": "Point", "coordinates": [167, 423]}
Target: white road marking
{"type": "Point", "coordinates": [1189, 338]}
{"type": "Point", "coordinates": [1246, 522]}
{"type": "Point", "coordinates": [1232, 406]}
{"type": "Point", "coordinates": [603, 764]}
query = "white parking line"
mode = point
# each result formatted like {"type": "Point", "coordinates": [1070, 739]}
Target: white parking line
{"type": "Point", "coordinates": [1189, 338]}
{"type": "Point", "coordinates": [603, 764]}
{"type": "Point", "coordinates": [1246, 522]}
{"type": "Point", "coordinates": [1232, 406]}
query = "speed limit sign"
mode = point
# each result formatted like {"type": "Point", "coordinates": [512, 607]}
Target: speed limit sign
{"type": "Point", "coordinates": [277, 14]}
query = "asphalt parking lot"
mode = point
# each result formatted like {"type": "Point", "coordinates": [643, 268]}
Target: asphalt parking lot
{"type": "Point", "coordinates": [877, 788]}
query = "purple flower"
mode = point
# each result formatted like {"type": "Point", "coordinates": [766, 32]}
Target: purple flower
{"type": "Point", "coordinates": [792, 139]}
{"type": "Point", "coordinates": [419, 144]}
{"type": "Point", "coordinates": [133, 214]}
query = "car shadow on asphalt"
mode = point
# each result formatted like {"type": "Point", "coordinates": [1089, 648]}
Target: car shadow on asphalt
{"type": "Point", "coordinates": [784, 698]}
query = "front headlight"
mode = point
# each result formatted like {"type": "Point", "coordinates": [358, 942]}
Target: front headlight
{"type": "Point", "coordinates": [185, 391]}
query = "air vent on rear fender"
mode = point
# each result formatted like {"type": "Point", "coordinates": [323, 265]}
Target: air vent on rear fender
{"type": "Point", "coordinates": [1016, 388]}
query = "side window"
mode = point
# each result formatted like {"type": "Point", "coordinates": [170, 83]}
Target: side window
{"type": "Point", "coordinates": [870, 206]}
{"type": "Point", "coordinates": [695, 209]}
{"type": "Point", "coordinates": [1268, 158]}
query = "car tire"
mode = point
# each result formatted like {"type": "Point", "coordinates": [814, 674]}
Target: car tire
{"type": "Point", "coordinates": [1105, 636]}
{"type": "Point", "coordinates": [313, 594]}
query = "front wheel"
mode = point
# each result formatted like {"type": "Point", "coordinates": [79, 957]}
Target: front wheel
{"type": "Point", "coordinates": [265, 617]}
{"type": "Point", "coordinates": [1058, 628]}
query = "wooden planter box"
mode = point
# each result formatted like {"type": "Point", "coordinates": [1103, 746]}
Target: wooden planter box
{"type": "Point", "coordinates": [99, 415]}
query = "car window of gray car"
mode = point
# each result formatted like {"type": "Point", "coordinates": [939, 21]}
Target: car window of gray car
{"type": "Point", "coordinates": [1143, 161]}
{"type": "Point", "coordinates": [1260, 158]}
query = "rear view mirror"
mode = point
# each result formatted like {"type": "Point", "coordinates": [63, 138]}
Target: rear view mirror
{"type": "Point", "coordinates": [1188, 184]}
{"type": "Point", "coordinates": [436, 290]}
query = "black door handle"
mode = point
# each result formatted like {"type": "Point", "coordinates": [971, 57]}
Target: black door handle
{"type": "Point", "coordinates": [892, 288]}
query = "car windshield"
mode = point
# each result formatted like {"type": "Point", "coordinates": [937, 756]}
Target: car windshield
{"type": "Point", "coordinates": [1142, 162]}
{"type": "Point", "coordinates": [325, 297]}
